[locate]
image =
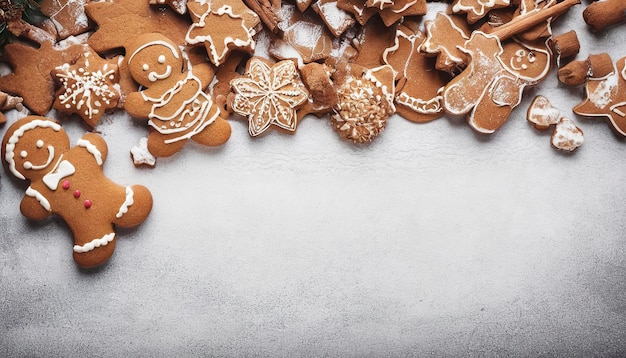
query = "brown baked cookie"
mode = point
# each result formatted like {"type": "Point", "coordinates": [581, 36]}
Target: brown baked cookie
{"type": "Point", "coordinates": [269, 94]}
{"type": "Point", "coordinates": [419, 87]}
{"type": "Point", "coordinates": [358, 8]}
{"type": "Point", "coordinates": [120, 21]}
{"type": "Point", "coordinates": [179, 6]}
{"type": "Point", "coordinates": [68, 16]}
{"type": "Point", "coordinates": [70, 182]}
{"type": "Point", "coordinates": [88, 86]}
{"type": "Point", "coordinates": [445, 37]}
{"type": "Point", "coordinates": [365, 101]}
{"type": "Point", "coordinates": [606, 97]}
{"type": "Point", "coordinates": [222, 26]}
{"type": "Point", "coordinates": [31, 77]}
{"type": "Point", "coordinates": [400, 9]}
{"type": "Point", "coordinates": [337, 20]}
{"type": "Point", "coordinates": [322, 93]}
{"type": "Point", "coordinates": [370, 42]}
{"type": "Point", "coordinates": [172, 97]}
{"type": "Point", "coordinates": [477, 9]}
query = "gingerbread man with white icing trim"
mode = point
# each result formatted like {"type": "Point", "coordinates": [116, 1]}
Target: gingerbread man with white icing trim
{"type": "Point", "coordinates": [70, 182]}
{"type": "Point", "coordinates": [172, 97]}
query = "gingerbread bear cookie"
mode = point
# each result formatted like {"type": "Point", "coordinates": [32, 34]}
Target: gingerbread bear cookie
{"type": "Point", "coordinates": [173, 98]}
{"type": "Point", "coordinates": [70, 182]}
{"type": "Point", "coordinates": [269, 94]}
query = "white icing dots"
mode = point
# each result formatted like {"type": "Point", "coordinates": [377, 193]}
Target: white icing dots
{"type": "Point", "coordinates": [161, 59]}
{"type": "Point", "coordinates": [145, 67]}
{"type": "Point", "coordinates": [40, 143]}
{"type": "Point", "coordinates": [23, 154]}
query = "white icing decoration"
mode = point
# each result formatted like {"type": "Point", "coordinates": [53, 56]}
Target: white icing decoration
{"type": "Point", "coordinates": [566, 135]}
{"type": "Point", "coordinates": [153, 76]}
{"type": "Point", "coordinates": [127, 202]}
{"type": "Point", "coordinates": [141, 154]}
{"type": "Point", "coordinates": [62, 170]}
{"type": "Point", "coordinates": [216, 57]}
{"type": "Point", "coordinates": [91, 149]}
{"type": "Point", "coordinates": [428, 47]}
{"type": "Point", "coordinates": [458, 7]}
{"type": "Point", "coordinates": [10, 147]}
{"type": "Point", "coordinates": [418, 105]}
{"type": "Point", "coordinates": [40, 143]}
{"type": "Point", "coordinates": [601, 96]}
{"type": "Point", "coordinates": [103, 241]}
{"type": "Point", "coordinates": [161, 59]}
{"type": "Point", "coordinates": [29, 166]}
{"type": "Point", "coordinates": [23, 154]}
{"type": "Point", "coordinates": [40, 198]}
{"type": "Point", "coordinates": [197, 106]}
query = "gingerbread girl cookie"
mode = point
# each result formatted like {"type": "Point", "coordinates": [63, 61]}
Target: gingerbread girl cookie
{"type": "Point", "coordinates": [172, 97]}
{"type": "Point", "coordinates": [70, 182]}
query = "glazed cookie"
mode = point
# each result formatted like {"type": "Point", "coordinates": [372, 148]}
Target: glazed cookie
{"type": "Point", "coordinates": [566, 135]}
{"type": "Point", "coordinates": [70, 182]}
{"type": "Point", "coordinates": [172, 97]}
{"type": "Point", "coordinates": [222, 26]}
{"type": "Point", "coordinates": [418, 89]}
{"type": "Point", "coordinates": [365, 101]}
{"type": "Point", "coordinates": [269, 94]}
{"type": "Point", "coordinates": [606, 97]}
{"type": "Point", "coordinates": [88, 87]}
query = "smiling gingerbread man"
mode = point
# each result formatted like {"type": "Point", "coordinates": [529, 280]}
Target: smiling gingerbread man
{"type": "Point", "coordinates": [173, 97]}
{"type": "Point", "coordinates": [70, 182]}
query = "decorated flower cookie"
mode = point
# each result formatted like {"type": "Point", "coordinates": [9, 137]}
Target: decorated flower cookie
{"type": "Point", "coordinates": [365, 101]}
{"type": "Point", "coordinates": [88, 87]}
{"type": "Point", "coordinates": [172, 97]}
{"type": "Point", "coordinates": [269, 94]}
{"type": "Point", "coordinates": [70, 182]}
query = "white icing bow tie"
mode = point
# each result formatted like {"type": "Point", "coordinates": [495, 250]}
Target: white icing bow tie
{"type": "Point", "coordinates": [53, 178]}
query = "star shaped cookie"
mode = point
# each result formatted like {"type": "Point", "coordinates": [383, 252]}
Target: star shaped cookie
{"type": "Point", "coordinates": [606, 97]}
{"type": "Point", "coordinates": [269, 94]}
{"type": "Point", "coordinates": [31, 77]}
{"type": "Point", "coordinates": [222, 26]}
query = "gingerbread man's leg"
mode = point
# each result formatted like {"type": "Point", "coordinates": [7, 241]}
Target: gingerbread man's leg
{"type": "Point", "coordinates": [160, 149]}
{"type": "Point", "coordinates": [495, 107]}
{"type": "Point", "coordinates": [136, 207]}
{"type": "Point", "coordinates": [216, 133]}
{"type": "Point", "coordinates": [93, 244]}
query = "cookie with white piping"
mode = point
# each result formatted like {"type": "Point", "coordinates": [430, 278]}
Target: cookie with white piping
{"type": "Point", "coordinates": [172, 97]}
{"type": "Point", "coordinates": [70, 182]}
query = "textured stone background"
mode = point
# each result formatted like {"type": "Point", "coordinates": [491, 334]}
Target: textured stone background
{"type": "Point", "coordinates": [431, 240]}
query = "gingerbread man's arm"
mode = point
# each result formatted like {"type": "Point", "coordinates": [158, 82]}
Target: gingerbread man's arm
{"type": "Point", "coordinates": [95, 145]}
{"type": "Point", "coordinates": [34, 205]}
{"type": "Point", "coordinates": [137, 106]}
{"type": "Point", "coordinates": [205, 73]}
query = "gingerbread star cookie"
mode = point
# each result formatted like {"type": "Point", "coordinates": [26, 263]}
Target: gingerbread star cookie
{"type": "Point", "coordinates": [88, 87]}
{"type": "Point", "coordinates": [31, 77]}
{"type": "Point", "coordinates": [269, 94]}
{"type": "Point", "coordinates": [120, 21]}
{"type": "Point", "coordinates": [606, 97]}
{"type": "Point", "coordinates": [222, 26]}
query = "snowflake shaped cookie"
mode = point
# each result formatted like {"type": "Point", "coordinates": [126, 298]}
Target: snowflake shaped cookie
{"type": "Point", "coordinates": [269, 94]}
{"type": "Point", "coordinates": [88, 87]}
{"type": "Point", "coordinates": [222, 26]}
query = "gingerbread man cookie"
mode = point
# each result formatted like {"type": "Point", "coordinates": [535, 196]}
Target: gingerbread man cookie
{"type": "Point", "coordinates": [173, 98]}
{"type": "Point", "coordinates": [70, 182]}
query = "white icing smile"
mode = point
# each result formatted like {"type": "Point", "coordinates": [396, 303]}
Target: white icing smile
{"type": "Point", "coordinates": [153, 76]}
{"type": "Point", "coordinates": [28, 165]}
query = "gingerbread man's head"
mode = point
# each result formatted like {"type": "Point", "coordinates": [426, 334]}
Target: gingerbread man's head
{"type": "Point", "coordinates": [529, 61]}
{"type": "Point", "coordinates": [153, 59]}
{"type": "Point", "coordinates": [33, 145]}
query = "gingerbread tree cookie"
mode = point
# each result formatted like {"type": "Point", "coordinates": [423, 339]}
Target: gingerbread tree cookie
{"type": "Point", "coordinates": [269, 94]}
{"type": "Point", "coordinates": [70, 182]}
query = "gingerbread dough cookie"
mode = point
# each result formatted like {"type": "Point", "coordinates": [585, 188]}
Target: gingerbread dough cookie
{"type": "Point", "coordinates": [70, 182]}
{"type": "Point", "coordinates": [172, 98]}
